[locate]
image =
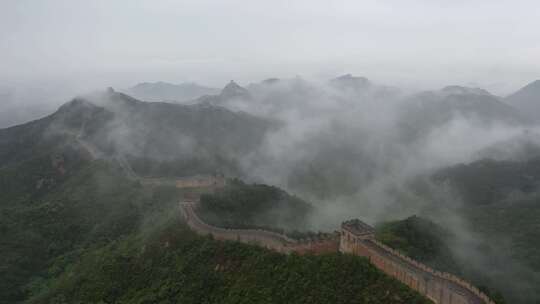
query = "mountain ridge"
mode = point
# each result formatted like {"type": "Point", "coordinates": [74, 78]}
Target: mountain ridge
{"type": "Point", "coordinates": [164, 91]}
{"type": "Point", "coordinates": [527, 100]}
{"type": "Point", "coordinates": [117, 123]}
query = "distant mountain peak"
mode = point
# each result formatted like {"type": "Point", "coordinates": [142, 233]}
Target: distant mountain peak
{"type": "Point", "coordinates": [527, 100]}
{"type": "Point", "coordinates": [232, 85]}
{"type": "Point", "coordinates": [164, 91]}
{"type": "Point", "coordinates": [76, 104]}
{"type": "Point", "coordinates": [350, 77]}
{"type": "Point", "coordinates": [461, 90]}
{"type": "Point", "coordinates": [535, 85]}
{"type": "Point", "coordinates": [233, 90]}
{"type": "Point", "coordinates": [348, 80]}
{"type": "Point", "coordinates": [105, 98]}
{"type": "Point", "coordinates": [271, 81]}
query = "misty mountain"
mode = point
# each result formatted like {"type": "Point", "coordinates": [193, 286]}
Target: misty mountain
{"type": "Point", "coordinates": [163, 91]}
{"type": "Point", "coordinates": [59, 210]}
{"type": "Point", "coordinates": [227, 97]}
{"type": "Point", "coordinates": [19, 105]}
{"type": "Point", "coordinates": [280, 95]}
{"type": "Point", "coordinates": [351, 82]}
{"type": "Point", "coordinates": [338, 143]}
{"type": "Point", "coordinates": [527, 100]}
{"type": "Point", "coordinates": [490, 181]}
{"type": "Point", "coordinates": [165, 130]}
{"type": "Point", "coordinates": [500, 201]}
{"type": "Point", "coordinates": [428, 242]}
{"type": "Point", "coordinates": [274, 97]}
{"type": "Point", "coordinates": [52, 133]}
{"type": "Point", "coordinates": [233, 90]}
{"type": "Point", "coordinates": [428, 110]}
{"type": "Point", "coordinates": [362, 88]}
{"type": "Point", "coordinates": [522, 147]}
{"type": "Point", "coordinates": [112, 123]}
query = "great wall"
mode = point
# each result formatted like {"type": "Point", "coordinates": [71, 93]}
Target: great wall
{"type": "Point", "coordinates": [355, 237]}
{"type": "Point", "coordinates": [268, 239]}
{"type": "Point", "coordinates": [358, 238]}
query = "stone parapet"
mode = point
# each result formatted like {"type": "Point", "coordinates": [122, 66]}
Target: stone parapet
{"type": "Point", "coordinates": [264, 238]}
{"type": "Point", "coordinates": [440, 287]}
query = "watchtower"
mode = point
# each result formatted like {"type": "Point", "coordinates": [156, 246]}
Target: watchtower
{"type": "Point", "coordinates": [353, 232]}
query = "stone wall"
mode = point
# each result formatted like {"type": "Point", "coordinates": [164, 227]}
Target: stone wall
{"type": "Point", "coordinates": [441, 288]}
{"type": "Point", "coordinates": [215, 181]}
{"type": "Point", "coordinates": [325, 244]}
{"type": "Point", "coordinates": [268, 239]}
{"type": "Point", "coordinates": [198, 181]}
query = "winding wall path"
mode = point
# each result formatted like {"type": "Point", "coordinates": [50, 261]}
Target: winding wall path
{"type": "Point", "coordinates": [268, 239]}
{"type": "Point", "coordinates": [441, 288]}
{"type": "Point", "coordinates": [264, 238]}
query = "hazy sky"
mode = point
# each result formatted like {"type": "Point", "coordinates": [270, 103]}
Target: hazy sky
{"type": "Point", "coordinates": [418, 43]}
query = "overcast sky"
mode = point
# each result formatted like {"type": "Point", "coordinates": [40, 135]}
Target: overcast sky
{"type": "Point", "coordinates": [417, 43]}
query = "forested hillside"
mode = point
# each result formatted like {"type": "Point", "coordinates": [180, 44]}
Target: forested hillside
{"type": "Point", "coordinates": [421, 240]}
{"type": "Point", "coordinates": [241, 205]}
{"type": "Point", "coordinates": [77, 229]}
{"type": "Point", "coordinates": [173, 265]}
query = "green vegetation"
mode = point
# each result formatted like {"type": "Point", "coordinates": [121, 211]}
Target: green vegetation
{"type": "Point", "coordinates": [45, 213]}
{"type": "Point", "coordinates": [502, 199]}
{"type": "Point", "coordinates": [76, 230]}
{"type": "Point", "coordinates": [240, 205]}
{"type": "Point", "coordinates": [426, 242]}
{"type": "Point", "coordinates": [487, 181]}
{"type": "Point", "coordinates": [173, 265]}
{"type": "Point", "coordinates": [501, 203]}
{"type": "Point", "coordinates": [90, 235]}
{"type": "Point", "coordinates": [421, 240]}
{"type": "Point", "coordinates": [188, 166]}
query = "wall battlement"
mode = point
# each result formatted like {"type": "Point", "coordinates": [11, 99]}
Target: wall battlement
{"type": "Point", "coordinates": [202, 181]}
{"type": "Point", "coordinates": [268, 239]}
{"type": "Point", "coordinates": [443, 288]}
{"type": "Point", "coordinates": [198, 181]}
{"type": "Point", "coordinates": [355, 238]}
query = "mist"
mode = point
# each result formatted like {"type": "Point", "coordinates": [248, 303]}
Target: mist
{"type": "Point", "coordinates": [425, 93]}
{"type": "Point", "coordinates": [348, 137]}
{"type": "Point", "coordinates": [77, 47]}
{"type": "Point", "coordinates": [419, 44]}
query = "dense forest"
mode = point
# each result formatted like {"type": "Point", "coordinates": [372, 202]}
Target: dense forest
{"type": "Point", "coordinates": [64, 215]}
{"type": "Point", "coordinates": [47, 217]}
{"type": "Point", "coordinates": [173, 265]}
{"type": "Point", "coordinates": [88, 234]}
{"type": "Point", "coordinates": [241, 205]}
